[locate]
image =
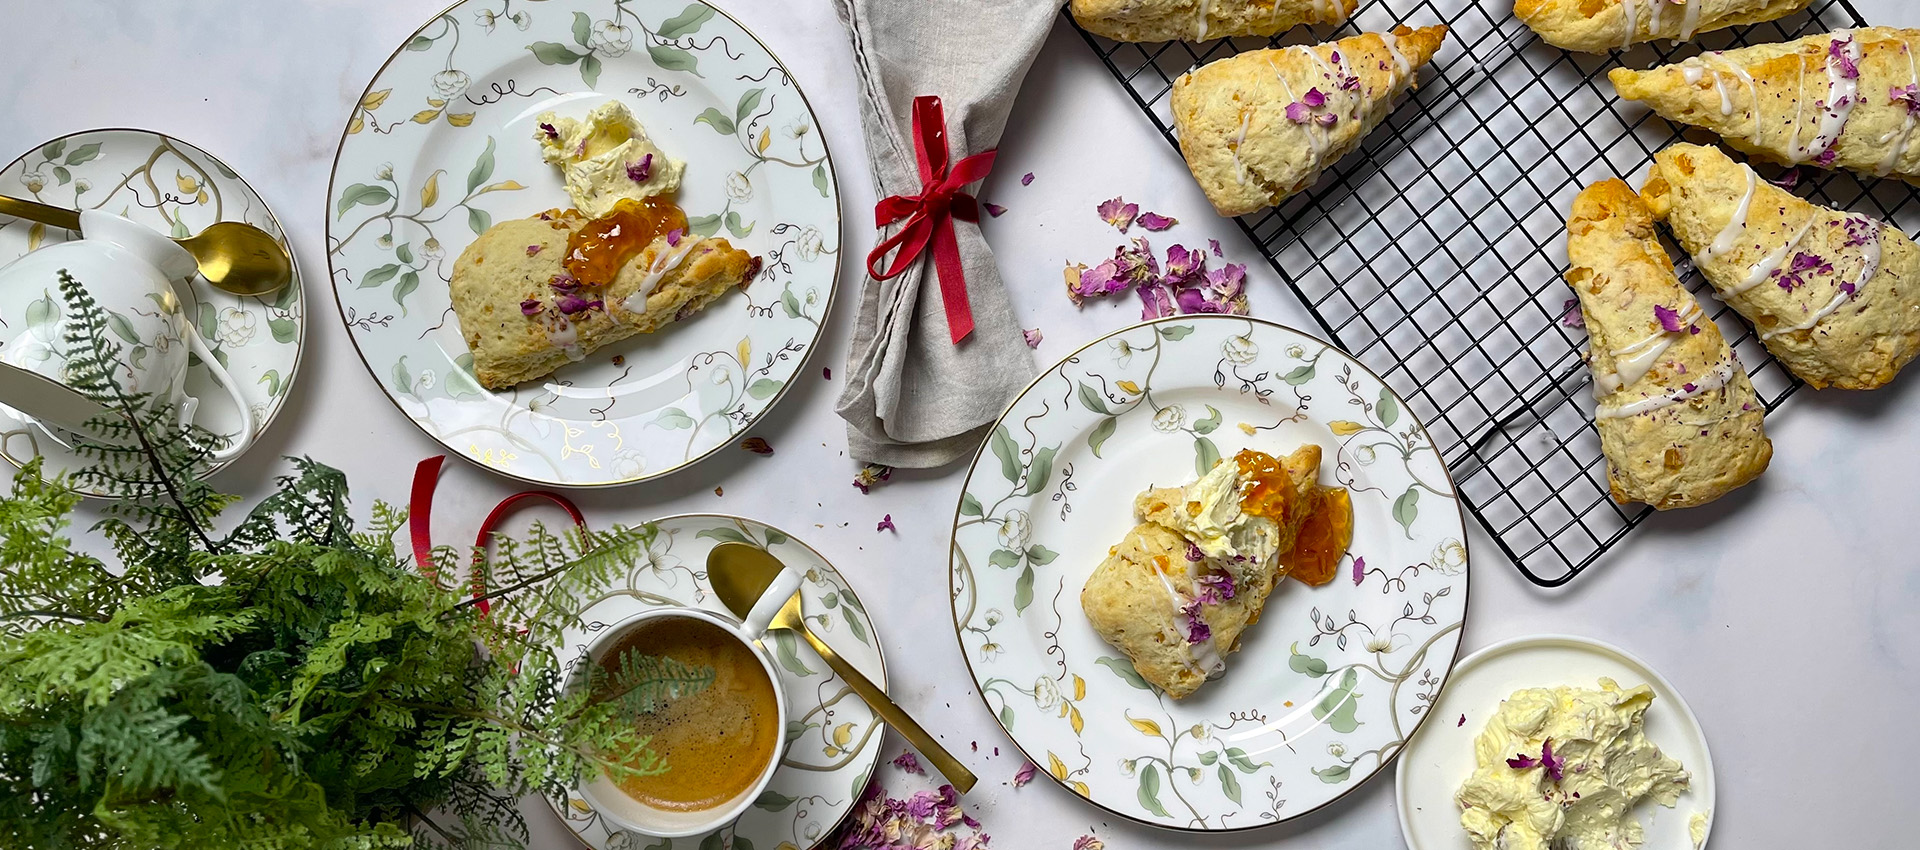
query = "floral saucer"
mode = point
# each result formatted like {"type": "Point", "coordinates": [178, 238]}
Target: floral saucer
{"type": "Point", "coordinates": [179, 189]}
{"type": "Point", "coordinates": [833, 739]}
{"type": "Point", "coordinates": [1331, 682]}
{"type": "Point", "coordinates": [441, 145]}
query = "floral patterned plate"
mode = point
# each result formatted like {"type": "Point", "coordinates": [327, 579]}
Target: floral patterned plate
{"type": "Point", "coordinates": [1333, 680]}
{"type": "Point", "coordinates": [833, 739]}
{"type": "Point", "coordinates": [441, 145]}
{"type": "Point", "coordinates": [179, 189]}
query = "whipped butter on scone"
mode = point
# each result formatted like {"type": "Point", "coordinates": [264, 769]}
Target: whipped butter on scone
{"type": "Point", "coordinates": [1262, 125]}
{"type": "Point", "coordinates": [1199, 20]}
{"type": "Point", "coordinates": [606, 158]}
{"type": "Point", "coordinates": [1835, 296]}
{"type": "Point", "coordinates": [1678, 419]}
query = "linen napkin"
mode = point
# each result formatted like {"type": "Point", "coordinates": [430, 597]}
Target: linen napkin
{"type": "Point", "coordinates": [914, 398]}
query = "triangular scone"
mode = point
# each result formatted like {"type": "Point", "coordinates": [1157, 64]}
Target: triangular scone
{"type": "Point", "coordinates": [1679, 423]}
{"type": "Point", "coordinates": [1835, 296]}
{"type": "Point", "coordinates": [1199, 20]}
{"type": "Point", "coordinates": [1847, 99]}
{"type": "Point", "coordinates": [1596, 26]}
{"type": "Point", "coordinates": [1157, 586]}
{"type": "Point", "coordinates": [1260, 126]}
{"type": "Point", "coordinates": [514, 319]}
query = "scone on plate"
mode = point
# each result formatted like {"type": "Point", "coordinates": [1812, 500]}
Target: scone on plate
{"type": "Point", "coordinates": [1183, 585]}
{"type": "Point", "coordinates": [1262, 125]}
{"type": "Point", "coordinates": [1678, 420]}
{"type": "Point", "coordinates": [522, 315]}
{"type": "Point", "coordinates": [1199, 20]}
{"type": "Point", "coordinates": [1596, 26]}
{"type": "Point", "coordinates": [1846, 99]}
{"type": "Point", "coordinates": [1834, 296]}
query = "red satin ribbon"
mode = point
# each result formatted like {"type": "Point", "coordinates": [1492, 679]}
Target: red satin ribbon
{"type": "Point", "coordinates": [929, 215]}
{"type": "Point", "coordinates": [420, 524]}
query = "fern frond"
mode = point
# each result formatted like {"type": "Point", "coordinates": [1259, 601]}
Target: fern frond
{"type": "Point", "coordinates": [641, 683]}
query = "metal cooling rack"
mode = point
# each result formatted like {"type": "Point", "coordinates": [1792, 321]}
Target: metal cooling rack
{"type": "Point", "coordinates": [1434, 254]}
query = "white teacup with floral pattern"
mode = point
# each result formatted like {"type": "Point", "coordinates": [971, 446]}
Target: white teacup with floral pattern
{"type": "Point", "coordinates": [129, 269]}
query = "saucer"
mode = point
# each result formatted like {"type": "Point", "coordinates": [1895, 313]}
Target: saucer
{"type": "Point", "coordinates": [833, 741]}
{"type": "Point", "coordinates": [177, 189]}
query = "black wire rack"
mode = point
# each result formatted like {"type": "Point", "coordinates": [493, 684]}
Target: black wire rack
{"type": "Point", "coordinates": [1434, 254]}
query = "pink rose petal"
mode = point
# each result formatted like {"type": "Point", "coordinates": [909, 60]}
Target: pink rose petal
{"type": "Point", "coordinates": [1118, 213]}
{"type": "Point", "coordinates": [1026, 179]}
{"type": "Point", "coordinates": [886, 524]}
{"type": "Point", "coordinates": [1032, 336]}
{"type": "Point", "coordinates": [1156, 222]}
{"type": "Point", "coordinates": [1024, 775]}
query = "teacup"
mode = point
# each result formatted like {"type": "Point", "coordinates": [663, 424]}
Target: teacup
{"type": "Point", "coordinates": [129, 269]}
{"type": "Point", "coordinates": [697, 798]}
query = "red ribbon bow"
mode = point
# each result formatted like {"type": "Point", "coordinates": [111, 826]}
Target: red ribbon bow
{"type": "Point", "coordinates": [929, 215]}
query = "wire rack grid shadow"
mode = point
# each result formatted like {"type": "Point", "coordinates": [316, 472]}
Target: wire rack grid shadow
{"type": "Point", "coordinates": [1434, 254]}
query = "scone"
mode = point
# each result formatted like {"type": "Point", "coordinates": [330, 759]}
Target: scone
{"type": "Point", "coordinates": [1183, 585]}
{"type": "Point", "coordinates": [1595, 26]}
{"type": "Point", "coordinates": [1258, 127]}
{"type": "Point", "coordinates": [1198, 20]}
{"type": "Point", "coordinates": [522, 316]}
{"type": "Point", "coordinates": [1835, 296]}
{"type": "Point", "coordinates": [1678, 420]}
{"type": "Point", "coordinates": [1847, 99]}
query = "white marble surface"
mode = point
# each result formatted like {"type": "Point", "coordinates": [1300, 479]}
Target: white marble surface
{"type": "Point", "coordinates": [1785, 613]}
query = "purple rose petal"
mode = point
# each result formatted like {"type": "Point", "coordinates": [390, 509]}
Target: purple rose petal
{"type": "Point", "coordinates": [910, 763]}
{"type": "Point", "coordinates": [1194, 555]}
{"type": "Point", "coordinates": [1118, 213]}
{"type": "Point", "coordinates": [1026, 179]}
{"type": "Point", "coordinates": [530, 307]}
{"type": "Point", "coordinates": [639, 170]}
{"type": "Point", "coordinates": [1156, 222]}
{"type": "Point", "coordinates": [994, 209]}
{"type": "Point", "coordinates": [673, 237]}
{"type": "Point", "coordinates": [1314, 98]}
{"type": "Point", "coordinates": [1326, 119]}
{"type": "Point", "coordinates": [1216, 587]}
{"type": "Point", "coordinates": [1156, 301]}
{"type": "Point", "coordinates": [1359, 571]}
{"type": "Point", "coordinates": [1463, 722]}
{"type": "Point", "coordinates": [1551, 762]}
{"type": "Point", "coordinates": [1522, 762]}
{"type": "Point", "coordinates": [886, 524]}
{"type": "Point", "coordinates": [1668, 319]}
{"type": "Point", "coordinates": [1570, 315]}
{"type": "Point", "coordinates": [1183, 265]}
{"type": "Point", "coordinates": [1298, 113]}
{"type": "Point", "coordinates": [548, 129]}
{"type": "Point", "coordinates": [1837, 49]}
{"type": "Point", "coordinates": [564, 284]}
{"type": "Point", "coordinates": [1197, 629]}
{"type": "Point", "coordinates": [871, 475]}
{"type": "Point", "coordinates": [1024, 775]}
{"type": "Point", "coordinates": [1214, 244]}
{"type": "Point", "coordinates": [1788, 178]}
{"type": "Point", "coordinates": [534, 249]}
{"type": "Point", "coordinates": [1909, 94]}
{"type": "Point", "coordinates": [573, 304]}
{"type": "Point", "coordinates": [1032, 336]}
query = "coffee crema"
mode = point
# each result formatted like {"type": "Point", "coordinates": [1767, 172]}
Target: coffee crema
{"type": "Point", "coordinates": [714, 742]}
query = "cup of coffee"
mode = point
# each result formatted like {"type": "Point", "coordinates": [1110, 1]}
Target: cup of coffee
{"type": "Point", "coordinates": [721, 743]}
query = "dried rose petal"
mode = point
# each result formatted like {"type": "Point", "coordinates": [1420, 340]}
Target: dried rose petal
{"type": "Point", "coordinates": [1183, 265]}
{"type": "Point", "coordinates": [639, 170]}
{"type": "Point", "coordinates": [994, 209]}
{"type": "Point", "coordinates": [1359, 571]}
{"type": "Point", "coordinates": [1689, 387]}
{"type": "Point", "coordinates": [673, 237]}
{"type": "Point", "coordinates": [1156, 222]}
{"type": "Point", "coordinates": [1194, 555]}
{"type": "Point", "coordinates": [1088, 842]}
{"type": "Point", "coordinates": [1197, 629]}
{"type": "Point", "coordinates": [826, 373]}
{"type": "Point", "coordinates": [572, 304]}
{"type": "Point", "coordinates": [1463, 722]}
{"type": "Point", "coordinates": [870, 475]}
{"type": "Point", "coordinates": [1314, 98]}
{"type": "Point", "coordinates": [754, 265]}
{"type": "Point", "coordinates": [1837, 49]}
{"type": "Point", "coordinates": [1118, 213]}
{"type": "Point", "coordinates": [1521, 761]}
{"type": "Point", "coordinates": [549, 130]}
{"type": "Point", "coordinates": [1570, 315]}
{"type": "Point", "coordinates": [1195, 300]}
{"type": "Point", "coordinates": [1156, 301]}
{"type": "Point", "coordinates": [1216, 587]}
{"type": "Point", "coordinates": [1032, 336]}
{"type": "Point", "coordinates": [1827, 157]}
{"type": "Point", "coordinates": [757, 445]}
{"type": "Point", "coordinates": [563, 283]}
{"type": "Point", "coordinates": [1326, 119]}
{"type": "Point", "coordinates": [1910, 95]}
{"type": "Point", "coordinates": [1788, 178]}
{"type": "Point", "coordinates": [530, 307]}
{"type": "Point", "coordinates": [1026, 179]}
{"type": "Point", "coordinates": [1024, 775]}
{"type": "Point", "coordinates": [910, 763]}
{"type": "Point", "coordinates": [1552, 763]}
{"type": "Point", "coordinates": [534, 249]}
{"type": "Point", "coordinates": [1299, 113]}
{"type": "Point", "coordinates": [1668, 319]}
{"type": "Point", "coordinates": [886, 524]}
{"type": "Point", "coordinates": [1214, 244]}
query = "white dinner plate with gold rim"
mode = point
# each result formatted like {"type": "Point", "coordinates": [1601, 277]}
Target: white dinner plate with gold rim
{"type": "Point", "coordinates": [833, 741]}
{"type": "Point", "coordinates": [1441, 756]}
{"type": "Point", "coordinates": [178, 189]}
{"type": "Point", "coordinates": [1331, 681]}
{"type": "Point", "coordinates": [441, 145]}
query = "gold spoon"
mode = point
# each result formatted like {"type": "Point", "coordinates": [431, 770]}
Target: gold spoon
{"type": "Point", "coordinates": [234, 256]}
{"type": "Point", "coordinates": [740, 573]}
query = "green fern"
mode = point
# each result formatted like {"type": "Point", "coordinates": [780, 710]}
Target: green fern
{"type": "Point", "coordinates": [641, 684]}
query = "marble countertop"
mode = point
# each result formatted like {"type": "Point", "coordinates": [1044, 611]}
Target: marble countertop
{"type": "Point", "coordinates": [1786, 613]}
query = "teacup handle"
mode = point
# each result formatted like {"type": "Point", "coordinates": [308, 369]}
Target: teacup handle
{"type": "Point", "coordinates": [238, 442]}
{"type": "Point", "coordinates": [776, 595]}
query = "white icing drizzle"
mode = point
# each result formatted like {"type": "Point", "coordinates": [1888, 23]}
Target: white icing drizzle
{"type": "Point", "coordinates": [1690, 19]}
{"type": "Point", "coordinates": [1633, 361]}
{"type": "Point", "coordinates": [1653, 18]}
{"type": "Point", "coordinates": [1869, 266]}
{"type": "Point", "coordinates": [562, 334]}
{"type": "Point", "coordinates": [662, 264]}
{"type": "Point", "coordinates": [1842, 94]}
{"type": "Point", "coordinates": [1691, 72]}
{"type": "Point", "coordinates": [1753, 91]}
{"type": "Point", "coordinates": [1630, 9]}
{"type": "Point", "coordinates": [1730, 235]}
{"type": "Point", "coordinates": [1240, 171]}
{"type": "Point", "coordinates": [1400, 62]}
{"type": "Point", "coordinates": [1206, 657]}
{"type": "Point", "coordinates": [1760, 271]}
{"type": "Point", "coordinates": [1200, 25]}
{"type": "Point", "coordinates": [1905, 133]}
{"type": "Point", "coordinates": [1318, 143]}
{"type": "Point", "coordinates": [1706, 383]}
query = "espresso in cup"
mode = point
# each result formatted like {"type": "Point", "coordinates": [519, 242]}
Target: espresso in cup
{"type": "Point", "coordinates": [717, 741]}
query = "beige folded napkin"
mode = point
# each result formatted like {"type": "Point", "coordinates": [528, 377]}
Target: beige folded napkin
{"type": "Point", "coordinates": [914, 398]}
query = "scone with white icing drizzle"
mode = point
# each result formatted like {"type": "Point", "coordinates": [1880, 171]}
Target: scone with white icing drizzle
{"type": "Point", "coordinates": [1846, 99]}
{"type": "Point", "coordinates": [523, 316]}
{"type": "Point", "coordinates": [1262, 125]}
{"type": "Point", "coordinates": [1188, 580]}
{"type": "Point", "coordinates": [1596, 26]}
{"type": "Point", "coordinates": [1199, 20]}
{"type": "Point", "coordinates": [1679, 423]}
{"type": "Point", "coordinates": [1835, 296]}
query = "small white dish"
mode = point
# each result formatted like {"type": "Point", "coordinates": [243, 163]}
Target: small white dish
{"type": "Point", "coordinates": [1440, 756]}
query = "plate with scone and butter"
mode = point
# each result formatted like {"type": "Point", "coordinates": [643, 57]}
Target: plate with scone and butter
{"type": "Point", "coordinates": [1209, 573]}
{"type": "Point", "coordinates": [583, 243]}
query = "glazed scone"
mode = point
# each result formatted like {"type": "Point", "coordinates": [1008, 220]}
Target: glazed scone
{"type": "Point", "coordinates": [1175, 610]}
{"type": "Point", "coordinates": [1847, 99]}
{"type": "Point", "coordinates": [1596, 26]}
{"type": "Point", "coordinates": [1198, 20]}
{"type": "Point", "coordinates": [1835, 296]}
{"type": "Point", "coordinates": [1678, 419]}
{"type": "Point", "coordinates": [520, 326]}
{"type": "Point", "coordinates": [1258, 127]}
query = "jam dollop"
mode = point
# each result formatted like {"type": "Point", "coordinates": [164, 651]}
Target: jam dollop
{"type": "Point", "coordinates": [597, 251]}
{"type": "Point", "coordinates": [1265, 489]}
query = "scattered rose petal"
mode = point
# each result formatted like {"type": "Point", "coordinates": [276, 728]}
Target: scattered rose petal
{"type": "Point", "coordinates": [673, 237]}
{"type": "Point", "coordinates": [534, 249]}
{"type": "Point", "coordinates": [1197, 629]}
{"type": "Point", "coordinates": [1326, 119]}
{"type": "Point", "coordinates": [753, 270]}
{"type": "Point", "coordinates": [757, 445]}
{"type": "Point", "coordinates": [572, 304]}
{"type": "Point", "coordinates": [1909, 94]}
{"type": "Point", "coordinates": [639, 170]}
{"type": "Point", "coordinates": [1156, 302]}
{"type": "Point", "coordinates": [870, 475]}
{"type": "Point", "coordinates": [1299, 113]}
{"type": "Point", "coordinates": [1570, 314]}
{"type": "Point", "coordinates": [1826, 157]}
{"type": "Point", "coordinates": [1156, 222]}
{"type": "Point", "coordinates": [1314, 98]}
{"type": "Point", "coordinates": [826, 373]}
{"type": "Point", "coordinates": [1024, 775]}
{"type": "Point", "coordinates": [1668, 319]}
{"type": "Point", "coordinates": [1215, 245]}
{"type": "Point", "coordinates": [1521, 761]}
{"type": "Point", "coordinates": [1118, 213]}
{"type": "Point", "coordinates": [1033, 337]}
{"type": "Point", "coordinates": [1689, 387]}
{"type": "Point", "coordinates": [563, 283]}
{"type": "Point", "coordinates": [1359, 571]}
{"type": "Point", "coordinates": [1214, 587]}
{"type": "Point", "coordinates": [994, 209]}
{"type": "Point", "coordinates": [1194, 555]}
{"type": "Point", "coordinates": [1788, 178]}
{"type": "Point", "coordinates": [1837, 50]}
{"type": "Point", "coordinates": [886, 524]}
{"type": "Point", "coordinates": [1026, 179]}
{"type": "Point", "coordinates": [1183, 265]}
{"type": "Point", "coordinates": [549, 130]}
{"type": "Point", "coordinates": [1463, 722]}
{"type": "Point", "coordinates": [1552, 763]}
{"type": "Point", "coordinates": [910, 763]}
{"type": "Point", "coordinates": [1088, 842]}
{"type": "Point", "coordinates": [530, 307]}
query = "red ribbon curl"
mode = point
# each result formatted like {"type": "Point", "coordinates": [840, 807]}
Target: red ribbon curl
{"type": "Point", "coordinates": [929, 215]}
